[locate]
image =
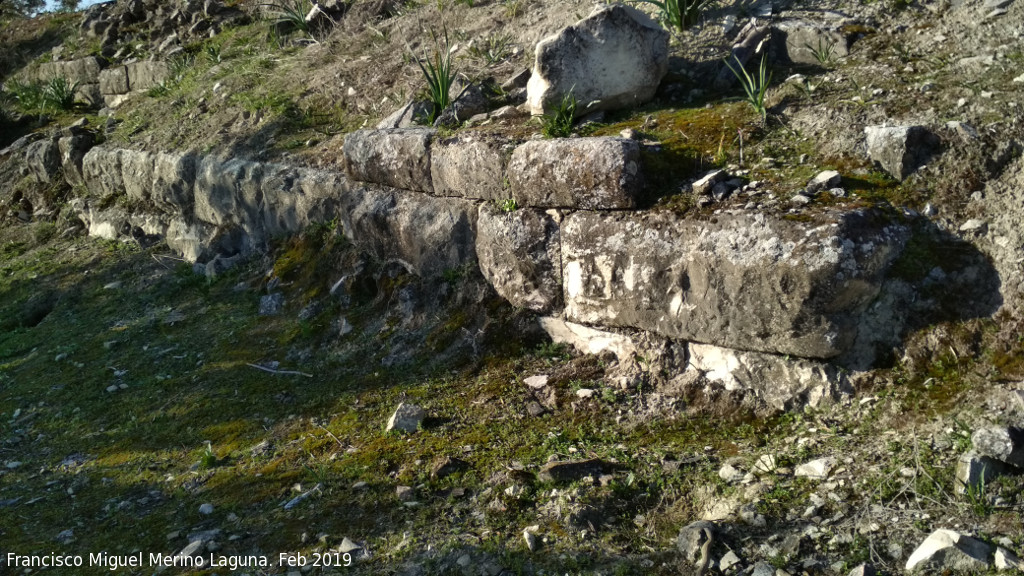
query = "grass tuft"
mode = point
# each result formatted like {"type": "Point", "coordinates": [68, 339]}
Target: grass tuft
{"type": "Point", "coordinates": [755, 87]}
{"type": "Point", "coordinates": [558, 122]}
{"type": "Point", "coordinates": [680, 14]}
{"type": "Point", "coordinates": [440, 74]}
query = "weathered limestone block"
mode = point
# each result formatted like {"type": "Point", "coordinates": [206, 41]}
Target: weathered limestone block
{"type": "Point", "coordinates": [900, 150]}
{"type": "Point", "coordinates": [102, 172]}
{"type": "Point", "coordinates": [587, 173]}
{"type": "Point", "coordinates": [137, 174]}
{"type": "Point", "coordinates": [226, 191]}
{"type": "Point", "coordinates": [428, 235]}
{"type": "Point", "coordinates": [148, 223]}
{"type": "Point", "coordinates": [43, 160]}
{"type": "Point", "coordinates": [72, 154]}
{"type": "Point", "coordinates": [114, 80]}
{"type": "Point", "coordinates": [744, 281]}
{"type": "Point", "coordinates": [589, 340]}
{"type": "Point", "coordinates": [614, 58]}
{"type": "Point", "coordinates": [801, 39]}
{"type": "Point", "coordinates": [1004, 443]}
{"type": "Point", "coordinates": [81, 71]}
{"type": "Point", "coordinates": [781, 383]}
{"type": "Point", "coordinates": [469, 167]}
{"type": "Point", "coordinates": [89, 94]}
{"type": "Point", "coordinates": [294, 198]}
{"type": "Point", "coordinates": [519, 255]}
{"type": "Point", "coordinates": [172, 188]}
{"type": "Point", "coordinates": [146, 75]}
{"type": "Point", "coordinates": [208, 207]}
{"type": "Point", "coordinates": [260, 200]}
{"type": "Point", "coordinates": [190, 239]}
{"type": "Point", "coordinates": [399, 158]}
{"type": "Point", "coordinates": [110, 223]}
{"type": "Point", "coordinates": [161, 179]}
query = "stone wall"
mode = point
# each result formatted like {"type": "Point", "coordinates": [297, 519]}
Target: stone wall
{"type": "Point", "coordinates": [98, 86]}
{"type": "Point", "coordinates": [746, 290]}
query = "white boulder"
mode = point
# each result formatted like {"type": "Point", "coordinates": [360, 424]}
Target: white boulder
{"type": "Point", "coordinates": [948, 550]}
{"type": "Point", "coordinates": [614, 58]}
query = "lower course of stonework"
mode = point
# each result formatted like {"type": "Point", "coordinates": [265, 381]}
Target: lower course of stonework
{"type": "Point", "coordinates": [758, 300]}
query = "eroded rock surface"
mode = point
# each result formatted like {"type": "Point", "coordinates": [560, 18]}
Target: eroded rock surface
{"type": "Point", "coordinates": [399, 158]}
{"type": "Point", "coordinates": [469, 167]}
{"type": "Point", "coordinates": [588, 173]}
{"type": "Point", "coordinates": [614, 58]}
{"type": "Point", "coordinates": [519, 255]}
{"type": "Point", "coordinates": [750, 282]}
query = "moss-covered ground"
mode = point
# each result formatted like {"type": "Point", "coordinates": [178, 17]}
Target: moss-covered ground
{"type": "Point", "coordinates": [129, 398]}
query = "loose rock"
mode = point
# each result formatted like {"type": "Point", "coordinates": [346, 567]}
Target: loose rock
{"type": "Point", "coordinates": [536, 382]}
{"type": "Point", "coordinates": [405, 493]}
{"type": "Point", "coordinates": [560, 472]}
{"type": "Point", "coordinates": [1005, 444]}
{"type": "Point", "coordinates": [692, 539]}
{"type": "Point", "coordinates": [899, 150]}
{"type": "Point", "coordinates": [816, 469]}
{"type": "Point", "coordinates": [448, 466]}
{"type": "Point", "coordinates": [974, 470]}
{"type": "Point", "coordinates": [614, 58]}
{"type": "Point", "coordinates": [407, 418]}
{"type": "Point", "coordinates": [948, 550]}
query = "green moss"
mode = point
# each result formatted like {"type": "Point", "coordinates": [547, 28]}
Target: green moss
{"type": "Point", "coordinates": [691, 141]}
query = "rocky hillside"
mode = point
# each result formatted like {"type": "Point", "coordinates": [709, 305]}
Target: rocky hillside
{"type": "Point", "coordinates": [513, 287]}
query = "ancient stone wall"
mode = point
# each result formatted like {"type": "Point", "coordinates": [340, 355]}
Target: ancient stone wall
{"type": "Point", "coordinates": [763, 301]}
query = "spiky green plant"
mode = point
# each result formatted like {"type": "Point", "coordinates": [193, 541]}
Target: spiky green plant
{"type": "Point", "coordinates": [679, 14]}
{"type": "Point", "coordinates": [755, 87]}
{"type": "Point", "coordinates": [28, 95]}
{"type": "Point", "coordinates": [59, 94]}
{"type": "Point", "coordinates": [558, 122]}
{"type": "Point", "coordinates": [213, 53]}
{"type": "Point", "coordinates": [492, 49]}
{"type": "Point", "coordinates": [439, 74]}
{"type": "Point", "coordinates": [824, 53]}
{"type": "Point", "coordinates": [289, 15]}
{"type": "Point", "coordinates": [7, 102]}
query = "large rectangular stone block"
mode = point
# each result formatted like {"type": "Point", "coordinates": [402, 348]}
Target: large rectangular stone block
{"type": "Point", "coordinates": [586, 173]}
{"type": "Point", "coordinates": [744, 281]}
{"type": "Point", "coordinates": [428, 235]}
{"type": "Point", "coordinates": [81, 71]}
{"type": "Point", "coordinates": [146, 75]}
{"type": "Point", "coordinates": [470, 167]}
{"type": "Point", "coordinates": [395, 157]}
{"type": "Point", "coordinates": [519, 255]}
{"type": "Point", "coordinates": [102, 173]}
{"type": "Point", "coordinates": [114, 80]}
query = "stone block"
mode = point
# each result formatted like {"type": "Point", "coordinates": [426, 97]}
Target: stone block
{"type": "Point", "coordinates": [586, 173]}
{"type": "Point", "coordinates": [745, 281]}
{"type": "Point", "coordinates": [469, 167]}
{"type": "Point", "coordinates": [518, 253]}
{"type": "Point", "coordinates": [428, 235]}
{"type": "Point", "coordinates": [399, 157]}
{"type": "Point", "coordinates": [146, 75]}
{"type": "Point", "coordinates": [114, 81]}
